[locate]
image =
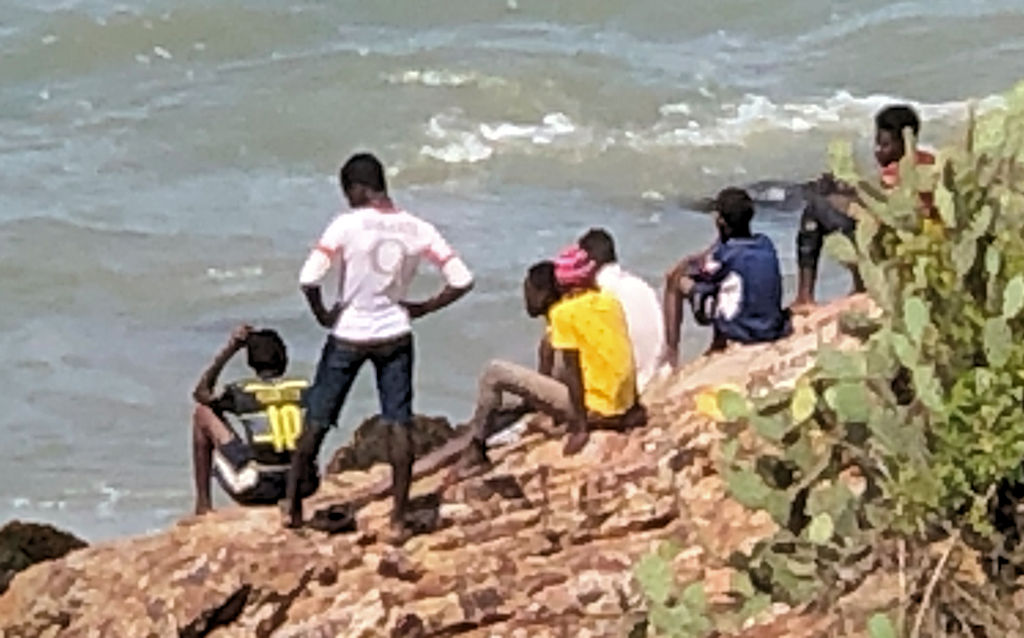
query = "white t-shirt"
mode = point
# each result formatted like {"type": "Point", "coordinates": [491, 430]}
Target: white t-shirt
{"type": "Point", "coordinates": [379, 251]}
{"type": "Point", "coordinates": [643, 318]}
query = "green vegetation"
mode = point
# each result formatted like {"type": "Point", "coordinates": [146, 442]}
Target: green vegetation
{"type": "Point", "coordinates": [894, 456]}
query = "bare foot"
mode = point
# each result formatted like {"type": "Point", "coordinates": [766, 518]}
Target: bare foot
{"type": "Point", "coordinates": [670, 358]}
{"type": "Point", "coordinates": [292, 518]}
{"type": "Point", "coordinates": [802, 307]}
{"type": "Point", "coordinates": [397, 534]}
{"type": "Point", "coordinates": [473, 462]}
{"type": "Point", "coordinates": [576, 442]}
{"type": "Point", "coordinates": [203, 508]}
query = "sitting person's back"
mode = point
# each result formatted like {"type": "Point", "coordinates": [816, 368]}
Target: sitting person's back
{"type": "Point", "coordinates": [735, 285]}
{"type": "Point", "coordinates": [592, 322]}
{"type": "Point", "coordinates": [639, 302]}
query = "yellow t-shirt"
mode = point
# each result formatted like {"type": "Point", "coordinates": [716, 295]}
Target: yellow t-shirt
{"type": "Point", "coordinates": [594, 323]}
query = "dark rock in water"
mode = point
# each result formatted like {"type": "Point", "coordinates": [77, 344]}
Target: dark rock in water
{"type": "Point", "coordinates": [777, 196]}
{"type": "Point", "coordinates": [768, 195]}
{"type": "Point", "coordinates": [369, 443]}
{"type": "Point", "coordinates": [25, 544]}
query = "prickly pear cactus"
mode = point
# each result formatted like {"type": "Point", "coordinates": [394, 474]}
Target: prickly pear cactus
{"type": "Point", "coordinates": [910, 433]}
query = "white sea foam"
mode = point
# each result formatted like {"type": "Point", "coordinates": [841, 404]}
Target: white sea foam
{"type": "Point", "coordinates": [467, 149]}
{"type": "Point", "coordinates": [675, 108]}
{"type": "Point", "coordinates": [552, 126]}
{"type": "Point", "coordinates": [228, 274]}
{"type": "Point", "coordinates": [756, 114]}
{"type": "Point", "coordinates": [112, 496]}
{"type": "Point", "coordinates": [456, 139]}
{"type": "Point", "coordinates": [455, 143]}
{"type": "Point", "coordinates": [465, 142]}
{"type": "Point", "coordinates": [443, 78]}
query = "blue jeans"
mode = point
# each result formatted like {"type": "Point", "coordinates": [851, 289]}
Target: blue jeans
{"type": "Point", "coordinates": [340, 362]}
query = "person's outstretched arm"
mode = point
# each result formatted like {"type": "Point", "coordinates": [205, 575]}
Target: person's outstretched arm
{"type": "Point", "coordinates": [672, 303]}
{"type": "Point", "coordinates": [204, 390]}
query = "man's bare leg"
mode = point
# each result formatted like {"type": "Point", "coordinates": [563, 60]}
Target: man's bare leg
{"type": "Point", "coordinates": [208, 431]}
{"type": "Point", "coordinates": [434, 461]}
{"type": "Point", "coordinates": [804, 302]}
{"type": "Point", "coordinates": [672, 307]}
{"type": "Point", "coordinates": [304, 461]}
{"type": "Point", "coordinates": [400, 455]}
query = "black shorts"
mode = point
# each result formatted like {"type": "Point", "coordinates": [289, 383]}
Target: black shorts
{"type": "Point", "coordinates": [249, 484]}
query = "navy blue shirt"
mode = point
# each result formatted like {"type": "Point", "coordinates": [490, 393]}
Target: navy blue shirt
{"type": "Point", "coordinates": [739, 291]}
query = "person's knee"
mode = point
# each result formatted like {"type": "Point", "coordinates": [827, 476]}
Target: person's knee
{"type": "Point", "coordinates": [201, 413]}
{"type": "Point", "coordinates": [672, 277]}
{"type": "Point", "coordinates": [809, 242]}
{"type": "Point", "coordinates": [204, 421]}
{"type": "Point", "coordinates": [494, 372]}
{"type": "Point", "coordinates": [495, 366]}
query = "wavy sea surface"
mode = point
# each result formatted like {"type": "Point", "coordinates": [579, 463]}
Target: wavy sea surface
{"type": "Point", "coordinates": [164, 167]}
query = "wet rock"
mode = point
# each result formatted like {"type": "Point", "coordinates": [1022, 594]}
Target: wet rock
{"type": "Point", "coordinates": [25, 544]}
{"type": "Point", "coordinates": [396, 565]}
{"type": "Point", "coordinates": [369, 442]}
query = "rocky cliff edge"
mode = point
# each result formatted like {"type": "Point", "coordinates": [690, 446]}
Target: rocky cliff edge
{"type": "Point", "coordinates": [540, 546]}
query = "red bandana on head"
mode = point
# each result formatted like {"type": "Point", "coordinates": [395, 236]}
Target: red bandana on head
{"type": "Point", "coordinates": [574, 268]}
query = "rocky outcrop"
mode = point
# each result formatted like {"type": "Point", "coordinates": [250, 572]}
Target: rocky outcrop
{"type": "Point", "coordinates": [368, 445]}
{"type": "Point", "coordinates": [25, 544]}
{"type": "Point", "coordinates": [543, 545]}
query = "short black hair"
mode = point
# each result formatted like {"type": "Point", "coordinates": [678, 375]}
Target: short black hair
{"type": "Point", "coordinates": [541, 276]}
{"type": "Point", "coordinates": [266, 352]}
{"type": "Point", "coordinates": [735, 208]}
{"type": "Point", "coordinates": [364, 169]}
{"type": "Point", "coordinates": [598, 243]}
{"type": "Point", "coordinates": [895, 118]}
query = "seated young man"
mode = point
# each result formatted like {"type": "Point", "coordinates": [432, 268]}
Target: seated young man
{"type": "Point", "coordinates": [639, 301]}
{"type": "Point", "coordinates": [254, 470]}
{"type": "Point", "coordinates": [540, 293]}
{"type": "Point", "coordinates": [827, 206]}
{"type": "Point", "coordinates": [735, 286]}
{"type": "Point", "coordinates": [593, 379]}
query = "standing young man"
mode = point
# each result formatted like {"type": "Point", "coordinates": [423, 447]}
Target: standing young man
{"type": "Point", "coordinates": [735, 286]}
{"type": "Point", "coordinates": [638, 299]}
{"type": "Point", "coordinates": [827, 214]}
{"type": "Point", "coordinates": [379, 247]}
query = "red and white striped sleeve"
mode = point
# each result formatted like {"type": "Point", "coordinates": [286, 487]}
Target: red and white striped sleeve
{"type": "Point", "coordinates": [330, 244]}
{"type": "Point", "coordinates": [441, 254]}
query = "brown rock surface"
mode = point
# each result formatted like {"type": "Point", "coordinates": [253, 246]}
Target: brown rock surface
{"type": "Point", "coordinates": [368, 447]}
{"type": "Point", "coordinates": [541, 546]}
{"type": "Point", "coordinates": [24, 544]}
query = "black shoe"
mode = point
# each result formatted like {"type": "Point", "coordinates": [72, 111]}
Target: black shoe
{"type": "Point", "coordinates": [334, 519]}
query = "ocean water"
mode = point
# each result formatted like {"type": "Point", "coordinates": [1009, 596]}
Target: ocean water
{"type": "Point", "coordinates": [165, 166]}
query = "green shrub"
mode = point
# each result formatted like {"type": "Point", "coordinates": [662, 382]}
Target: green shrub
{"type": "Point", "coordinates": [908, 436]}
